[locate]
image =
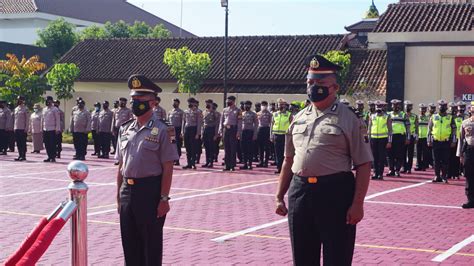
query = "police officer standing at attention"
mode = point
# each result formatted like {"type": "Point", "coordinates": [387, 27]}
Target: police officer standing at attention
{"type": "Point", "coordinates": [192, 123]}
{"type": "Point", "coordinates": [209, 132]}
{"type": "Point", "coordinates": [51, 127]}
{"type": "Point", "coordinates": [22, 120]}
{"type": "Point", "coordinates": [466, 153]}
{"type": "Point", "coordinates": [145, 155]}
{"type": "Point", "coordinates": [441, 136]}
{"type": "Point", "coordinates": [175, 117]}
{"type": "Point", "coordinates": [263, 134]}
{"type": "Point", "coordinates": [454, 167]}
{"type": "Point", "coordinates": [217, 140]}
{"type": "Point", "coordinates": [230, 127]}
{"type": "Point", "coordinates": [410, 148]}
{"type": "Point", "coordinates": [121, 115]}
{"type": "Point", "coordinates": [114, 140]}
{"type": "Point", "coordinates": [249, 134]}
{"type": "Point", "coordinates": [95, 127]}
{"type": "Point", "coordinates": [80, 127]}
{"type": "Point", "coordinates": [160, 112]}
{"type": "Point", "coordinates": [422, 152]}
{"type": "Point", "coordinates": [400, 138]}
{"type": "Point", "coordinates": [325, 200]}
{"type": "Point", "coordinates": [59, 137]}
{"type": "Point", "coordinates": [380, 135]}
{"type": "Point", "coordinates": [5, 118]}
{"type": "Point", "coordinates": [105, 130]}
{"type": "Point", "coordinates": [280, 124]}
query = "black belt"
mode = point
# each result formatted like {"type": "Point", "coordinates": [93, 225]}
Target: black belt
{"type": "Point", "coordinates": [132, 181]}
{"type": "Point", "coordinates": [325, 179]}
{"type": "Point", "coordinates": [230, 126]}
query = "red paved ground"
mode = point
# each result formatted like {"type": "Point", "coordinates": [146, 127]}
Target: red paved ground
{"type": "Point", "coordinates": [409, 226]}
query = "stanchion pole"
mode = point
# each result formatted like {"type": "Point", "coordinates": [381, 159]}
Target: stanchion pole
{"type": "Point", "coordinates": [78, 189]}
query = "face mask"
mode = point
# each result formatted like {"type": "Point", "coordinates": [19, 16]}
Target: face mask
{"type": "Point", "coordinates": [378, 110]}
{"type": "Point", "coordinates": [282, 108]}
{"type": "Point", "coordinates": [317, 93]}
{"type": "Point", "coordinates": [396, 108]}
{"type": "Point", "coordinates": [409, 109]}
{"type": "Point", "coordinates": [247, 108]}
{"type": "Point", "coordinates": [81, 106]}
{"type": "Point", "coordinates": [139, 108]}
{"type": "Point", "coordinates": [264, 107]}
{"type": "Point", "coordinates": [443, 109]}
{"type": "Point", "coordinates": [122, 104]}
{"type": "Point", "coordinates": [36, 110]}
{"type": "Point", "coordinates": [208, 106]}
{"type": "Point", "coordinates": [175, 105]}
{"type": "Point", "coordinates": [97, 109]}
{"type": "Point", "coordinates": [230, 103]}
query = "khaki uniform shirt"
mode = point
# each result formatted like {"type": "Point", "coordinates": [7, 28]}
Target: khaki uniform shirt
{"type": "Point", "coordinates": [327, 142]}
{"type": "Point", "coordinates": [35, 122]}
{"type": "Point", "coordinates": [160, 113]}
{"type": "Point", "coordinates": [175, 117]}
{"type": "Point", "coordinates": [142, 150]}
{"type": "Point", "coordinates": [121, 115]}
{"type": "Point", "coordinates": [51, 119]}
{"type": "Point", "coordinates": [81, 121]}
{"type": "Point", "coordinates": [105, 121]}
{"type": "Point", "coordinates": [5, 118]}
{"type": "Point", "coordinates": [231, 116]}
{"type": "Point", "coordinates": [210, 119]}
{"type": "Point", "coordinates": [264, 118]}
{"type": "Point", "coordinates": [192, 118]}
{"type": "Point", "coordinates": [62, 119]}
{"type": "Point", "coordinates": [95, 120]}
{"type": "Point", "coordinates": [467, 135]}
{"type": "Point", "coordinates": [21, 118]}
{"type": "Point", "coordinates": [250, 122]}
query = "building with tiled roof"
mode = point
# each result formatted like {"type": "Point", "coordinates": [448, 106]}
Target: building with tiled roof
{"type": "Point", "coordinates": [20, 19]}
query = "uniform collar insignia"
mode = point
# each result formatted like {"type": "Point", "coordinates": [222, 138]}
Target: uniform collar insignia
{"type": "Point", "coordinates": [150, 123]}
{"type": "Point", "coordinates": [334, 107]}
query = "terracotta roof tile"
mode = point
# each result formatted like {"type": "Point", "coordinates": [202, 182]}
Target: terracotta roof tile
{"type": "Point", "coordinates": [365, 25]}
{"type": "Point", "coordinates": [426, 17]}
{"type": "Point", "coordinates": [17, 6]}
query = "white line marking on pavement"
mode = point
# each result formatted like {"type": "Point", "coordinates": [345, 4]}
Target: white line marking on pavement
{"type": "Point", "coordinates": [50, 172]}
{"type": "Point", "coordinates": [413, 204]}
{"type": "Point", "coordinates": [223, 238]}
{"type": "Point", "coordinates": [448, 253]}
{"type": "Point", "coordinates": [45, 190]}
{"type": "Point", "coordinates": [395, 190]}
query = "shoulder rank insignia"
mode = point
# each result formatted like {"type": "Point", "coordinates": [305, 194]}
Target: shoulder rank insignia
{"type": "Point", "coordinates": [334, 107]}
{"type": "Point", "coordinates": [154, 131]}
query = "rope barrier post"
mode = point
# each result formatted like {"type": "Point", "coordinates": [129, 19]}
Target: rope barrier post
{"type": "Point", "coordinates": [78, 171]}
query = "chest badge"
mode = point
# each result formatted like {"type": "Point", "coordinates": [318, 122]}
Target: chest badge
{"type": "Point", "coordinates": [154, 131]}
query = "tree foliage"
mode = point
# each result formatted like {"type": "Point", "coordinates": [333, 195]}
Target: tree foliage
{"type": "Point", "coordinates": [342, 59]}
{"type": "Point", "coordinates": [19, 77]}
{"type": "Point", "coordinates": [139, 30]}
{"type": "Point", "coordinates": [92, 32]}
{"type": "Point", "coordinates": [59, 35]}
{"type": "Point", "coordinates": [61, 78]}
{"type": "Point", "coordinates": [121, 29]}
{"type": "Point", "coordinates": [190, 69]}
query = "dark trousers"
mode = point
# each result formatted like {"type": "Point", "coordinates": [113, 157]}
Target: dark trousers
{"type": "Point", "coordinates": [317, 216]}
{"type": "Point", "coordinates": [96, 138]}
{"type": "Point", "coordinates": [379, 152]}
{"type": "Point", "coordinates": [209, 144]}
{"type": "Point", "coordinates": [246, 145]}
{"type": "Point", "coordinates": [11, 140]}
{"type": "Point", "coordinates": [454, 164]}
{"type": "Point", "coordinates": [396, 153]}
{"type": "Point", "coordinates": [469, 172]}
{"type": "Point", "coordinates": [263, 142]}
{"type": "Point", "coordinates": [59, 143]}
{"type": "Point", "coordinates": [239, 151]}
{"type": "Point", "coordinates": [279, 150]}
{"type": "Point", "coordinates": [179, 140]}
{"type": "Point", "coordinates": [3, 140]}
{"type": "Point", "coordinates": [230, 146]}
{"type": "Point", "coordinates": [422, 154]}
{"type": "Point", "coordinates": [409, 153]}
{"type": "Point", "coordinates": [198, 148]}
{"type": "Point", "coordinates": [80, 144]}
{"type": "Point", "coordinates": [20, 137]}
{"type": "Point", "coordinates": [217, 148]}
{"type": "Point", "coordinates": [441, 158]}
{"type": "Point", "coordinates": [49, 139]}
{"type": "Point", "coordinates": [115, 137]}
{"type": "Point", "coordinates": [430, 157]}
{"type": "Point", "coordinates": [105, 138]}
{"type": "Point", "coordinates": [190, 144]}
{"type": "Point", "coordinates": [141, 230]}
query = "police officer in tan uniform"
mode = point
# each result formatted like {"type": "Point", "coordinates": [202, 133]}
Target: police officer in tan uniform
{"type": "Point", "coordinates": [160, 113]}
{"type": "Point", "coordinates": [51, 127]}
{"type": "Point", "coordinates": [105, 130]}
{"type": "Point", "coordinates": [59, 137]}
{"type": "Point", "coordinates": [249, 134]}
{"type": "Point", "coordinates": [230, 127]}
{"type": "Point", "coordinates": [5, 120]}
{"type": "Point", "coordinates": [145, 153]}
{"type": "Point", "coordinates": [192, 123]}
{"type": "Point", "coordinates": [466, 154]}
{"type": "Point", "coordinates": [121, 115]}
{"type": "Point", "coordinates": [22, 118]}
{"type": "Point", "coordinates": [209, 132]}
{"type": "Point", "coordinates": [80, 127]}
{"type": "Point", "coordinates": [218, 138]}
{"type": "Point", "coordinates": [325, 200]}
{"type": "Point", "coordinates": [175, 118]}
{"type": "Point", "coordinates": [263, 134]}
{"type": "Point", "coordinates": [95, 127]}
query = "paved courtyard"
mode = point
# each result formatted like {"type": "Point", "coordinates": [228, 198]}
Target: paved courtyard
{"type": "Point", "coordinates": [221, 218]}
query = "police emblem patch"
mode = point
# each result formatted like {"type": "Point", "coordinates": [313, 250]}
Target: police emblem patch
{"type": "Point", "coordinates": [154, 131]}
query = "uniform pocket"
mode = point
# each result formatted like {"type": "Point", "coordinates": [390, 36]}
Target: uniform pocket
{"type": "Point", "coordinates": [330, 130]}
{"type": "Point", "coordinates": [150, 145]}
{"type": "Point", "coordinates": [299, 134]}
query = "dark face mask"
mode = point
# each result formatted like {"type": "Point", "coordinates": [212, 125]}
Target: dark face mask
{"type": "Point", "coordinates": [247, 108]}
{"type": "Point", "coordinates": [175, 105]}
{"type": "Point", "coordinates": [378, 110]}
{"type": "Point", "coordinates": [317, 93]}
{"type": "Point", "coordinates": [230, 103]}
{"type": "Point", "coordinates": [360, 108]}
{"type": "Point", "coordinates": [190, 106]}
{"type": "Point", "coordinates": [2, 105]}
{"type": "Point", "coordinates": [208, 106]}
{"type": "Point", "coordinates": [81, 106]}
{"type": "Point", "coordinates": [443, 109]}
{"type": "Point", "coordinates": [105, 106]}
{"type": "Point", "coordinates": [409, 109]}
{"type": "Point", "coordinates": [122, 104]}
{"type": "Point", "coordinates": [372, 109]}
{"type": "Point", "coordinates": [396, 108]}
{"type": "Point", "coordinates": [48, 103]}
{"type": "Point", "coordinates": [139, 108]}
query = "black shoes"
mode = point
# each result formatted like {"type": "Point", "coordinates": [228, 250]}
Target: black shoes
{"type": "Point", "coordinates": [468, 205]}
{"type": "Point", "coordinates": [391, 173]}
{"type": "Point", "coordinates": [397, 173]}
{"type": "Point", "coordinates": [19, 159]}
{"type": "Point", "coordinates": [176, 163]}
{"type": "Point", "coordinates": [245, 167]}
{"type": "Point", "coordinates": [231, 169]}
{"type": "Point", "coordinates": [50, 160]}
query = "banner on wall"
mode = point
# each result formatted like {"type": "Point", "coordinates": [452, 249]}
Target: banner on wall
{"type": "Point", "coordinates": [464, 79]}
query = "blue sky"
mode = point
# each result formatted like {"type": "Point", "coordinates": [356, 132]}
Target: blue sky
{"type": "Point", "coordinates": [262, 17]}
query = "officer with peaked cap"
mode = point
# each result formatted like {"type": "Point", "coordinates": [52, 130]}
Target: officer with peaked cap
{"type": "Point", "coordinates": [280, 123]}
{"type": "Point", "coordinates": [410, 147]}
{"type": "Point", "coordinates": [80, 126]}
{"type": "Point", "coordinates": [380, 136]}
{"type": "Point", "coordinates": [249, 135]}
{"type": "Point", "coordinates": [466, 153]}
{"type": "Point", "coordinates": [51, 127]}
{"type": "Point", "coordinates": [441, 136]}
{"type": "Point", "coordinates": [422, 151]}
{"type": "Point", "coordinates": [454, 165]}
{"type": "Point", "coordinates": [192, 122]}
{"type": "Point", "coordinates": [21, 123]}
{"type": "Point", "coordinates": [94, 128]}
{"type": "Point", "coordinates": [400, 137]}
{"type": "Point", "coordinates": [209, 132]}
{"type": "Point", "coordinates": [105, 130]}
{"type": "Point", "coordinates": [175, 118]}
{"type": "Point", "coordinates": [121, 115]}
{"type": "Point", "coordinates": [62, 121]}
{"type": "Point", "coordinates": [145, 154]}
{"type": "Point", "coordinates": [325, 200]}
{"type": "Point", "coordinates": [230, 127]}
{"type": "Point", "coordinates": [5, 120]}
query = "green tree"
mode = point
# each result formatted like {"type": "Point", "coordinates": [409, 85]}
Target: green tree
{"type": "Point", "coordinates": [61, 78]}
{"type": "Point", "coordinates": [342, 59]}
{"type": "Point", "coordinates": [190, 69]}
{"type": "Point", "coordinates": [119, 29]}
{"type": "Point", "coordinates": [21, 78]}
{"type": "Point", "coordinates": [92, 32]}
{"type": "Point", "coordinates": [59, 35]}
{"type": "Point", "coordinates": [159, 31]}
{"type": "Point", "coordinates": [139, 30]}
